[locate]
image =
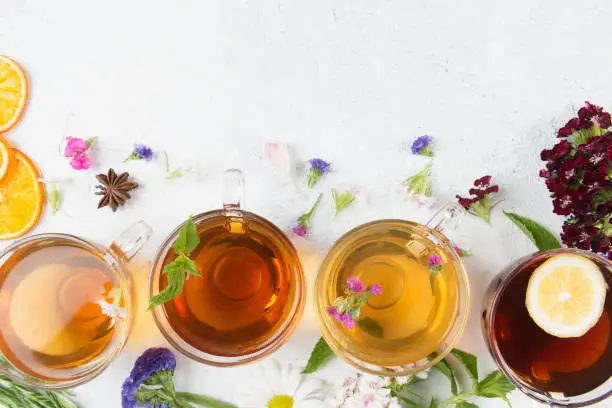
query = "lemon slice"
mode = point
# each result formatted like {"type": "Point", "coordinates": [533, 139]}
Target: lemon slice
{"type": "Point", "coordinates": [566, 295]}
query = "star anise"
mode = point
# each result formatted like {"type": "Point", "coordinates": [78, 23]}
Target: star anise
{"type": "Point", "coordinates": [114, 189]}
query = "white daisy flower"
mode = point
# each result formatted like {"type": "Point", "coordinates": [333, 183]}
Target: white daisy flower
{"type": "Point", "coordinates": [282, 387]}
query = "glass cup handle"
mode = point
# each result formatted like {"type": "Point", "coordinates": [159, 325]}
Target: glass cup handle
{"type": "Point", "coordinates": [233, 190]}
{"type": "Point", "coordinates": [447, 218]}
{"type": "Point", "coordinates": [130, 241]}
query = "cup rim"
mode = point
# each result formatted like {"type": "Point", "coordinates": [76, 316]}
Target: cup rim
{"type": "Point", "coordinates": [280, 337]}
{"type": "Point", "coordinates": [115, 265]}
{"type": "Point", "coordinates": [491, 304]}
{"type": "Point", "coordinates": [455, 332]}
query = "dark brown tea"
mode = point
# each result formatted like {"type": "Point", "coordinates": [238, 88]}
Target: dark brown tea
{"type": "Point", "coordinates": [568, 366]}
{"type": "Point", "coordinates": [246, 290]}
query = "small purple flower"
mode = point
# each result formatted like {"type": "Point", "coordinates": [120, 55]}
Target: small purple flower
{"type": "Point", "coordinates": [143, 151]}
{"type": "Point", "coordinates": [318, 167]}
{"type": "Point", "coordinates": [140, 152]}
{"type": "Point", "coordinates": [434, 260]}
{"type": "Point", "coordinates": [376, 289]}
{"type": "Point", "coordinates": [150, 362]}
{"type": "Point", "coordinates": [422, 146]}
{"type": "Point", "coordinates": [355, 285]}
{"type": "Point", "coordinates": [347, 320]}
{"type": "Point", "coordinates": [299, 230]}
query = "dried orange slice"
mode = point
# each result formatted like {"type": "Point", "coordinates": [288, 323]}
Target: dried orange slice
{"type": "Point", "coordinates": [13, 93]}
{"type": "Point", "coordinates": [22, 198]}
{"type": "Point", "coordinates": [6, 157]}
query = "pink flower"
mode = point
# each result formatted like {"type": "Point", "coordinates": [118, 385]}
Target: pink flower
{"type": "Point", "coordinates": [376, 289]}
{"type": "Point", "coordinates": [80, 162]}
{"type": "Point", "coordinates": [74, 146]}
{"type": "Point", "coordinates": [299, 230]}
{"type": "Point", "coordinates": [435, 260]}
{"type": "Point", "coordinates": [347, 320]}
{"type": "Point", "coordinates": [333, 313]}
{"type": "Point", "coordinates": [355, 285]}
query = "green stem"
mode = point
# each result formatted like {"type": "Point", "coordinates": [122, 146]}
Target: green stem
{"type": "Point", "coordinates": [202, 400]}
{"type": "Point", "coordinates": [455, 399]}
{"type": "Point", "coordinates": [314, 207]}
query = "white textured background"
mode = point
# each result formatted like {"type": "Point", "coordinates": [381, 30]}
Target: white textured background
{"type": "Point", "coordinates": [349, 81]}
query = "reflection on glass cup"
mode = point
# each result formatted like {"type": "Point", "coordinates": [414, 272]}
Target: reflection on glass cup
{"type": "Point", "coordinates": [250, 294]}
{"type": "Point", "coordinates": [564, 372]}
{"type": "Point", "coordinates": [65, 306]}
{"type": "Point", "coordinates": [416, 320]}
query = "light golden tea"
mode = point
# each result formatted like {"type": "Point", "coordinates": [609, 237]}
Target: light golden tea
{"type": "Point", "coordinates": [246, 290]}
{"type": "Point", "coordinates": [51, 320]}
{"type": "Point", "coordinates": [409, 320]}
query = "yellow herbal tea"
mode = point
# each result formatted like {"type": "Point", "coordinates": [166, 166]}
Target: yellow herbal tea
{"type": "Point", "coordinates": [409, 320]}
{"type": "Point", "coordinates": [52, 323]}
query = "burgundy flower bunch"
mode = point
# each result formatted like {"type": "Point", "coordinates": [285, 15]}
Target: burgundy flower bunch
{"type": "Point", "coordinates": [579, 176]}
{"type": "Point", "coordinates": [479, 203]}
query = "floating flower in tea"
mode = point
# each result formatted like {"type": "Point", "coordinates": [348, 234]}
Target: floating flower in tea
{"type": "Point", "coordinates": [347, 309]}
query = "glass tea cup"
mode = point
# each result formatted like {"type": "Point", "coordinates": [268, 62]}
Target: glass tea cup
{"type": "Point", "coordinates": [250, 294]}
{"type": "Point", "coordinates": [65, 306]}
{"type": "Point", "coordinates": [411, 325]}
{"type": "Point", "coordinates": [553, 371]}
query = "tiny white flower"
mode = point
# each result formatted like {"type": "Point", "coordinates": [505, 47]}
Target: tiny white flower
{"type": "Point", "coordinates": [111, 310]}
{"type": "Point", "coordinates": [282, 387]}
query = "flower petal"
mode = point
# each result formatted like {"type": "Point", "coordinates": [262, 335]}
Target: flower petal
{"type": "Point", "coordinates": [308, 388]}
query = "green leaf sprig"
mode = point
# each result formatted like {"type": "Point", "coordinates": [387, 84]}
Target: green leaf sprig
{"type": "Point", "coordinates": [13, 395]}
{"type": "Point", "coordinates": [540, 236]}
{"type": "Point", "coordinates": [494, 385]}
{"type": "Point", "coordinates": [182, 266]}
{"type": "Point", "coordinates": [419, 183]}
{"type": "Point", "coordinates": [170, 174]}
{"type": "Point", "coordinates": [342, 200]}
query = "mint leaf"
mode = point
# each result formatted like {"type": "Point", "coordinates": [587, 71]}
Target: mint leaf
{"type": "Point", "coordinates": [368, 325]}
{"type": "Point", "coordinates": [55, 199]}
{"type": "Point", "coordinates": [465, 404]}
{"type": "Point", "coordinates": [445, 368]}
{"type": "Point", "coordinates": [495, 385]}
{"type": "Point", "coordinates": [540, 236]}
{"type": "Point", "coordinates": [188, 265]}
{"type": "Point", "coordinates": [176, 280]}
{"type": "Point", "coordinates": [188, 239]}
{"type": "Point", "coordinates": [470, 363]}
{"type": "Point", "coordinates": [320, 355]}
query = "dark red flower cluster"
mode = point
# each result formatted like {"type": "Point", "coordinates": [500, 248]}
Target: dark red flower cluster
{"type": "Point", "coordinates": [587, 116]}
{"type": "Point", "coordinates": [579, 175]}
{"type": "Point", "coordinates": [482, 187]}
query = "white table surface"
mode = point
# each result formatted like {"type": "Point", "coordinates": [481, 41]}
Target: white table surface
{"type": "Point", "coordinates": [349, 81]}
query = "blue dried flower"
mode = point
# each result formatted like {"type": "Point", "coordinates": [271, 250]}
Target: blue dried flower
{"type": "Point", "coordinates": [141, 152]}
{"type": "Point", "coordinates": [318, 167]}
{"type": "Point", "coordinates": [422, 146]}
{"type": "Point", "coordinates": [151, 362]}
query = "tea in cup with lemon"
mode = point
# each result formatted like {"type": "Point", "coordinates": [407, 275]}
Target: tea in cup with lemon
{"type": "Point", "coordinates": [547, 322]}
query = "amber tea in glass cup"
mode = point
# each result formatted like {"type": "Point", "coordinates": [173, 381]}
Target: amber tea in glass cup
{"type": "Point", "coordinates": [555, 371]}
{"type": "Point", "coordinates": [65, 306]}
{"type": "Point", "coordinates": [250, 294]}
{"type": "Point", "coordinates": [411, 325]}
